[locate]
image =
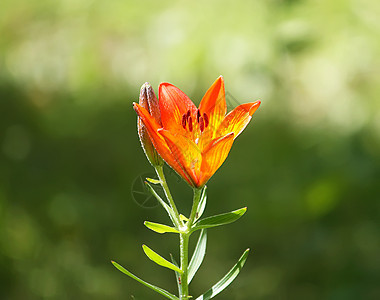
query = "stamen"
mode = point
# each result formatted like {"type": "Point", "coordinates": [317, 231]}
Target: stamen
{"type": "Point", "coordinates": [205, 117]}
{"type": "Point", "coordinates": [201, 124]}
{"type": "Point", "coordinates": [188, 114]}
{"type": "Point", "coordinates": [184, 121]}
{"type": "Point", "coordinates": [190, 124]}
{"type": "Point", "coordinates": [198, 115]}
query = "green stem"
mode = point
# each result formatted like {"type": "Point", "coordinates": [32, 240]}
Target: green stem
{"type": "Point", "coordinates": [196, 198]}
{"type": "Point", "coordinates": [164, 184]}
{"type": "Point", "coordinates": [185, 234]}
{"type": "Point", "coordinates": [184, 246]}
{"type": "Point", "coordinates": [184, 253]}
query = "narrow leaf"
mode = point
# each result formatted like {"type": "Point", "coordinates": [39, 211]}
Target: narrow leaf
{"type": "Point", "coordinates": [202, 204]}
{"type": "Point", "coordinates": [183, 218]}
{"type": "Point", "coordinates": [160, 228]}
{"type": "Point", "coordinates": [158, 259]}
{"type": "Point", "coordinates": [226, 280]}
{"type": "Point", "coordinates": [218, 220]}
{"type": "Point", "coordinates": [154, 181]}
{"type": "Point", "coordinates": [199, 254]}
{"type": "Point", "coordinates": [168, 209]}
{"type": "Point", "coordinates": [177, 275]}
{"type": "Point", "coordinates": [151, 286]}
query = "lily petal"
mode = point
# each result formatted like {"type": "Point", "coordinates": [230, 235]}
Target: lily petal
{"type": "Point", "coordinates": [237, 119]}
{"type": "Point", "coordinates": [158, 141]}
{"type": "Point", "coordinates": [173, 105]}
{"type": "Point", "coordinates": [214, 104]}
{"type": "Point", "coordinates": [186, 152]}
{"type": "Point", "coordinates": [214, 155]}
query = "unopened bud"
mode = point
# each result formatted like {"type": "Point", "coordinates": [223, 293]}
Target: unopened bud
{"type": "Point", "coordinates": [149, 101]}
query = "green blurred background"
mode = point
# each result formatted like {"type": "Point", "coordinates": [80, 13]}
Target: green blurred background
{"type": "Point", "coordinates": [307, 167]}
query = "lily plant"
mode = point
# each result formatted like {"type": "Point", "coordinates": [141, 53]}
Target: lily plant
{"type": "Point", "coordinates": [194, 142]}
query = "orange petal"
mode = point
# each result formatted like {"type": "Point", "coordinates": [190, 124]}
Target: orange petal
{"type": "Point", "coordinates": [186, 153]}
{"type": "Point", "coordinates": [173, 104]}
{"type": "Point", "coordinates": [214, 104]}
{"type": "Point", "coordinates": [214, 155]}
{"type": "Point", "coordinates": [158, 141]}
{"type": "Point", "coordinates": [238, 119]}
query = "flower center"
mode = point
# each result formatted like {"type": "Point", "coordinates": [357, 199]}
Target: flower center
{"type": "Point", "coordinates": [202, 120]}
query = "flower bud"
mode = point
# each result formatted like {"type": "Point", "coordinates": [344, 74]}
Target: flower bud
{"type": "Point", "coordinates": [149, 101]}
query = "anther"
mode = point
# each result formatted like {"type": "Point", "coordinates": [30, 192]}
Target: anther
{"type": "Point", "coordinates": [188, 114]}
{"type": "Point", "coordinates": [205, 117]}
{"type": "Point", "coordinates": [190, 124]}
{"type": "Point", "coordinates": [201, 124]}
{"type": "Point", "coordinates": [198, 115]}
{"type": "Point", "coordinates": [184, 121]}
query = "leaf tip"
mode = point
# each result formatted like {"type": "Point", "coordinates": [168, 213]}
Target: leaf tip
{"type": "Point", "coordinates": [243, 210]}
{"type": "Point", "coordinates": [114, 263]}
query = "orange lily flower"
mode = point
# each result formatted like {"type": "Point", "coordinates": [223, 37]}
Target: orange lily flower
{"type": "Point", "coordinates": [195, 141]}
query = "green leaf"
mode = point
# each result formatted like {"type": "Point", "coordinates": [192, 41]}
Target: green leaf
{"type": "Point", "coordinates": [158, 259]}
{"type": "Point", "coordinates": [183, 218]}
{"type": "Point", "coordinates": [151, 286]}
{"type": "Point", "coordinates": [160, 228]}
{"type": "Point", "coordinates": [219, 219]}
{"type": "Point", "coordinates": [226, 280]}
{"type": "Point", "coordinates": [154, 181]}
{"type": "Point", "coordinates": [168, 209]}
{"type": "Point", "coordinates": [177, 275]}
{"type": "Point", "coordinates": [198, 255]}
{"type": "Point", "coordinates": [202, 204]}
